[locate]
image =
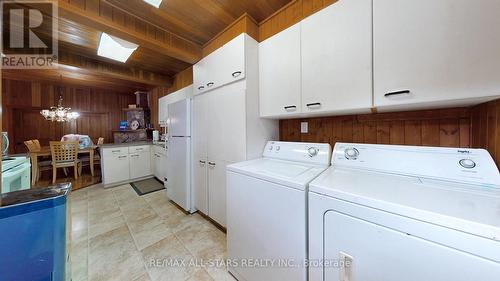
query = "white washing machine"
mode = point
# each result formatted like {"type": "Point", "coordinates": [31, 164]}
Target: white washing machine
{"type": "Point", "coordinates": [392, 213]}
{"type": "Point", "coordinates": [267, 211]}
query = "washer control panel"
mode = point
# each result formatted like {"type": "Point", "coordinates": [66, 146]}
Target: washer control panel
{"type": "Point", "coordinates": [453, 164]}
{"type": "Point", "coordinates": [315, 153]}
{"type": "Point", "coordinates": [351, 153]}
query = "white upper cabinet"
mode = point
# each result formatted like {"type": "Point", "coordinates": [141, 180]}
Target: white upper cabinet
{"type": "Point", "coordinates": [435, 53]}
{"type": "Point", "coordinates": [337, 58]}
{"type": "Point", "coordinates": [199, 77]}
{"type": "Point", "coordinates": [223, 66]}
{"type": "Point", "coordinates": [279, 74]}
{"type": "Point", "coordinates": [162, 111]}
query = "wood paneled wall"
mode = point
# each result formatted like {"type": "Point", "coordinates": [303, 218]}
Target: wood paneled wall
{"type": "Point", "coordinates": [101, 111]}
{"type": "Point", "coordinates": [476, 127]}
{"type": "Point", "coordinates": [244, 24]}
{"type": "Point", "coordinates": [485, 120]}
{"type": "Point", "coordinates": [289, 15]}
{"type": "Point", "coordinates": [446, 127]}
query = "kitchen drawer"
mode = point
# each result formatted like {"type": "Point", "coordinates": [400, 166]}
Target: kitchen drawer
{"type": "Point", "coordinates": [115, 151]}
{"type": "Point", "coordinates": [139, 148]}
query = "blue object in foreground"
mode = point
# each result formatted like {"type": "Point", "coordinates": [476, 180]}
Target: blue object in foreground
{"type": "Point", "coordinates": [33, 234]}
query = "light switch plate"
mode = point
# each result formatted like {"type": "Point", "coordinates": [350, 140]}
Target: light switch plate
{"type": "Point", "coordinates": [304, 127]}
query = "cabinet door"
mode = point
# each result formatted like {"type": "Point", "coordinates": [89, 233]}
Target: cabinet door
{"type": "Point", "coordinates": [140, 164]}
{"type": "Point", "coordinates": [217, 190]}
{"type": "Point", "coordinates": [337, 59]}
{"type": "Point", "coordinates": [199, 125]}
{"type": "Point", "coordinates": [231, 60]}
{"type": "Point", "coordinates": [431, 53]}
{"type": "Point", "coordinates": [200, 185]}
{"type": "Point", "coordinates": [116, 168]}
{"type": "Point", "coordinates": [162, 111]}
{"type": "Point", "coordinates": [226, 128]}
{"type": "Point", "coordinates": [163, 162]}
{"type": "Point", "coordinates": [280, 74]}
{"type": "Point", "coordinates": [199, 77]}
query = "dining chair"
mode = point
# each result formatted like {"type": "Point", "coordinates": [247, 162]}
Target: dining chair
{"type": "Point", "coordinates": [64, 155]}
{"type": "Point", "coordinates": [97, 156]}
{"type": "Point", "coordinates": [42, 165]}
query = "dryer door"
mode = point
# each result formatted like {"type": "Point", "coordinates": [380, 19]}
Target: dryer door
{"type": "Point", "coordinates": [372, 252]}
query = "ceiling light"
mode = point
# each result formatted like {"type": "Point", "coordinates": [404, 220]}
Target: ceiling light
{"type": "Point", "coordinates": [155, 3]}
{"type": "Point", "coordinates": [115, 48]}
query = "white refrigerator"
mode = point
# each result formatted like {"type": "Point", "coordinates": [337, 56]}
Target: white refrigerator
{"type": "Point", "coordinates": [178, 181]}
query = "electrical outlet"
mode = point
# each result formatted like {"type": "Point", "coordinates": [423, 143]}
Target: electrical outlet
{"type": "Point", "coordinates": [304, 127]}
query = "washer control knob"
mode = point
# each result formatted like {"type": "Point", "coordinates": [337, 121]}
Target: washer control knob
{"type": "Point", "coordinates": [312, 151]}
{"type": "Point", "coordinates": [278, 148]}
{"type": "Point", "coordinates": [467, 163]}
{"type": "Point", "coordinates": [351, 153]}
{"type": "Point", "coordinates": [270, 147]}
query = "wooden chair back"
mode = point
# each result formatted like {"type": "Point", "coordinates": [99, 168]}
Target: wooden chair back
{"type": "Point", "coordinates": [31, 146]}
{"type": "Point", "coordinates": [64, 151]}
{"type": "Point", "coordinates": [37, 144]}
{"type": "Point", "coordinates": [100, 141]}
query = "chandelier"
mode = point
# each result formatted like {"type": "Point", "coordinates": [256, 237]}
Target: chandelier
{"type": "Point", "coordinates": [59, 113]}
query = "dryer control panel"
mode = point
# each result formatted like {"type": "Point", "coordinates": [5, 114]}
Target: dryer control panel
{"type": "Point", "coordinates": [313, 153]}
{"type": "Point", "coordinates": [465, 165]}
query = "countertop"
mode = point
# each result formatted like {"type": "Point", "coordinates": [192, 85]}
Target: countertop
{"type": "Point", "coordinates": [137, 143]}
{"type": "Point", "coordinates": [33, 194]}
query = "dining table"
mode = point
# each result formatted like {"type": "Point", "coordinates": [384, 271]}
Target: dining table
{"type": "Point", "coordinates": [45, 151]}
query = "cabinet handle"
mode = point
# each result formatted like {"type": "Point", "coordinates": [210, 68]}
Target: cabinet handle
{"type": "Point", "coordinates": [139, 149]}
{"type": "Point", "coordinates": [212, 164]}
{"type": "Point", "coordinates": [397, 93]}
{"type": "Point", "coordinates": [202, 162]}
{"type": "Point", "coordinates": [290, 107]}
{"type": "Point", "coordinates": [210, 84]}
{"type": "Point", "coordinates": [115, 151]}
{"type": "Point", "coordinates": [121, 157]}
{"type": "Point", "coordinates": [236, 74]}
{"type": "Point", "coordinates": [201, 87]}
{"type": "Point", "coordinates": [315, 104]}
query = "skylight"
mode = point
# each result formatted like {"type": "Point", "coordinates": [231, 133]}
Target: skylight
{"type": "Point", "coordinates": [115, 48]}
{"type": "Point", "coordinates": [155, 3]}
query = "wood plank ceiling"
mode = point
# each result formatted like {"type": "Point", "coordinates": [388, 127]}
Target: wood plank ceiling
{"type": "Point", "coordinates": [170, 38]}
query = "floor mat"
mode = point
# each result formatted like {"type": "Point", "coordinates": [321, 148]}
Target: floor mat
{"type": "Point", "coordinates": [147, 186]}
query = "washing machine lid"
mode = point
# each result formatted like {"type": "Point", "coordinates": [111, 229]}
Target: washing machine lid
{"type": "Point", "coordinates": [469, 208]}
{"type": "Point", "coordinates": [289, 173]}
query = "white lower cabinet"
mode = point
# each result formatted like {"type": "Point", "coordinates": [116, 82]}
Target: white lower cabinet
{"type": "Point", "coordinates": [125, 164]}
{"type": "Point", "coordinates": [200, 185]}
{"type": "Point", "coordinates": [159, 162]}
{"type": "Point", "coordinates": [217, 194]}
{"type": "Point", "coordinates": [140, 164]}
{"type": "Point", "coordinates": [115, 166]}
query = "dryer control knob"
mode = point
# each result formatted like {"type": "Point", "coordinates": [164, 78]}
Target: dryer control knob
{"type": "Point", "coordinates": [312, 151]}
{"type": "Point", "coordinates": [351, 153]}
{"type": "Point", "coordinates": [467, 163]}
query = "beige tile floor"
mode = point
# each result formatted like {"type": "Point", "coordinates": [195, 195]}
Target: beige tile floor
{"type": "Point", "coordinates": [118, 235]}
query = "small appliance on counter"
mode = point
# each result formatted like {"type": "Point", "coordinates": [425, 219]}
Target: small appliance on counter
{"type": "Point", "coordinates": [156, 136]}
{"type": "Point", "coordinates": [35, 228]}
